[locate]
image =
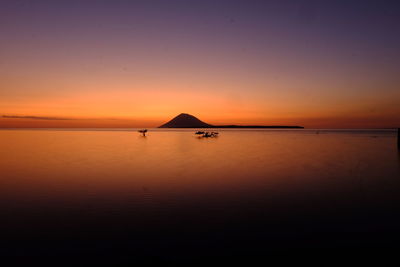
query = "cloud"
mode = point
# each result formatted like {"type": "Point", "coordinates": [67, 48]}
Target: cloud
{"type": "Point", "coordinates": [34, 117]}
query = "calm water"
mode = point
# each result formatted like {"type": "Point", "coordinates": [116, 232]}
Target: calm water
{"type": "Point", "coordinates": [171, 195]}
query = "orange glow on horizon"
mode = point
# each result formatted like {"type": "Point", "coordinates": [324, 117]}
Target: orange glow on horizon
{"type": "Point", "coordinates": [127, 108]}
{"type": "Point", "coordinates": [136, 68]}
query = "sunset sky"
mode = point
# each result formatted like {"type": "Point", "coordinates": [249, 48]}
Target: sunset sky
{"type": "Point", "coordinates": [319, 64]}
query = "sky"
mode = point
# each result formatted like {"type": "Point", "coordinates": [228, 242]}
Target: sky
{"type": "Point", "coordinates": [120, 63]}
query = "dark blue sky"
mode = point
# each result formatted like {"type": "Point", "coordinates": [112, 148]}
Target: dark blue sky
{"type": "Point", "coordinates": [337, 53]}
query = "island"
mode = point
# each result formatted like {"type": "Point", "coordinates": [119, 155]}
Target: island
{"type": "Point", "coordinates": [185, 120]}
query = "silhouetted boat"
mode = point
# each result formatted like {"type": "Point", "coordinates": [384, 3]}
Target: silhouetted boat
{"type": "Point", "coordinates": [207, 134]}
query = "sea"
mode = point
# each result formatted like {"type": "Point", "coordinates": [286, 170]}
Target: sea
{"type": "Point", "coordinates": [114, 195]}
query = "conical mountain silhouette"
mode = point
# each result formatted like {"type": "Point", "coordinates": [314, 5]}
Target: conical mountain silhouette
{"type": "Point", "coordinates": [185, 120]}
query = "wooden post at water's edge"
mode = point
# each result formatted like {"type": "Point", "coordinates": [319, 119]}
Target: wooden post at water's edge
{"type": "Point", "coordinates": [398, 138]}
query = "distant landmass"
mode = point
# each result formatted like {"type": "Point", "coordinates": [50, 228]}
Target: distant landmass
{"type": "Point", "coordinates": [185, 120]}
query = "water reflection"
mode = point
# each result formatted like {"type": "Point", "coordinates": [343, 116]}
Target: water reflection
{"type": "Point", "coordinates": [175, 187]}
{"type": "Point", "coordinates": [174, 164]}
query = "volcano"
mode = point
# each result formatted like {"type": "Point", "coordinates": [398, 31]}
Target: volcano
{"type": "Point", "coordinates": [185, 120]}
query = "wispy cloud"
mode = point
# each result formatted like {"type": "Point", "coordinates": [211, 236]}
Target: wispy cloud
{"type": "Point", "coordinates": [34, 117]}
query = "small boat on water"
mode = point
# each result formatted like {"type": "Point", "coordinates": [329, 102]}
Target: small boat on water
{"type": "Point", "coordinates": [207, 134]}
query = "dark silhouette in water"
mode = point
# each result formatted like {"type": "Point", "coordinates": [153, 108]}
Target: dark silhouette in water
{"type": "Point", "coordinates": [144, 131]}
{"type": "Point", "coordinates": [398, 138]}
{"type": "Point", "coordinates": [185, 120]}
{"type": "Point", "coordinates": [207, 134]}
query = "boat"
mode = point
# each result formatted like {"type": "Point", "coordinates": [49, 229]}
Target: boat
{"type": "Point", "coordinates": [206, 134]}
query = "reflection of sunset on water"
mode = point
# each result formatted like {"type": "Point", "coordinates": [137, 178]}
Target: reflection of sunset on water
{"type": "Point", "coordinates": [92, 163]}
{"type": "Point", "coordinates": [209, 132]}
